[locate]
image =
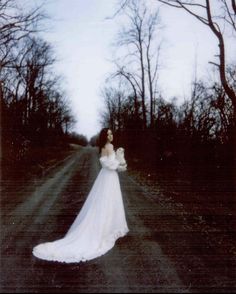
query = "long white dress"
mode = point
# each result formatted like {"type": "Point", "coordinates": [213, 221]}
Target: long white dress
{"type": "Point", "coordinates": [100, 222]}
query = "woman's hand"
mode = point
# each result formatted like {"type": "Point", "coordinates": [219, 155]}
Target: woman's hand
{"type": "Point", "coordinates": [122, 167]}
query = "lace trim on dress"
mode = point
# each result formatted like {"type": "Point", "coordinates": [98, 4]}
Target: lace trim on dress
{"type": "Point", "coordinates": [110, 241]}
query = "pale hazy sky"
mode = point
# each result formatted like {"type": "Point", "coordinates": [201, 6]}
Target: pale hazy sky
{"type": "Point", "coordinates": [82, 37]}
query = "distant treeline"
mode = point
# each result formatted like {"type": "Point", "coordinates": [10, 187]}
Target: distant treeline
{"type": "Point", "coordinates": [200, 130]}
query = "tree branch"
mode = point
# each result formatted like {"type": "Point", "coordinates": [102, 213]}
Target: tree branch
{"type": "Point", "coordinates": [216, 64]}
{"type": "Point", "coordinates": [183, 5]}
{"type": "Point", "coordinates": [231, 21]}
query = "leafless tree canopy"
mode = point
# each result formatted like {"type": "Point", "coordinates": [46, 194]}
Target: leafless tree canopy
{"type": "Point", "coordinates": [220, 17]}
{"type": "Point", "coordinates": [140, 65]}
{"type": "Point", "coordinates": [15, 25]}
{"type": "Point", "coordinates": [34, 108]}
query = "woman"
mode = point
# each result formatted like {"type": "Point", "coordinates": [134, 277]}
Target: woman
{"type": "Point", "coordinates": [101, 220]}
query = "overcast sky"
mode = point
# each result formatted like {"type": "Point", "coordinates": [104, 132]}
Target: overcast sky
{"type": "Point", "coordinates": [82, 37]}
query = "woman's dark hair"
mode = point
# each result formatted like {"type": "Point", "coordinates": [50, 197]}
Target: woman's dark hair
{"type": "Point", "coordinates": [102, 139]}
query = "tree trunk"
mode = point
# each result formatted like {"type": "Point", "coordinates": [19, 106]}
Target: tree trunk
{"type": "Point", "coordinates": [234, 148]}
{"type": "Point", "coordinates": [143, 88]}
{"type": "Point", "coordinates": [150, 90]}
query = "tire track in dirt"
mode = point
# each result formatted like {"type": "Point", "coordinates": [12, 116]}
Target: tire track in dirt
{"type": "Point", "coordinates": [37, 205]}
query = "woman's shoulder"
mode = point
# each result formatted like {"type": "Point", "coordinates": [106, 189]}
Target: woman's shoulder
{"type": "Point", "coordinates": [107, 149]}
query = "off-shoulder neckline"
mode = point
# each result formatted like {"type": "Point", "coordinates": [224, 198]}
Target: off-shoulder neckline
{"type": "Point", "coordinates": [113, 152]}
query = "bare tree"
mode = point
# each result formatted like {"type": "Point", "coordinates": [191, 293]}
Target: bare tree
{"type": "Point", "coordinates": [108, 117]}
{"type": "Point", "coordinates": [133, 82]}
{"type": "Point", "coordinates": [34, 108]}
{"type": "Point", "coordinates": [133, 35]}
{"type": "Point", "coordinates": [114, 100]}
{"type": "Point", "coordinates": [15, 25]}
{"type": "Point", "coordinates": [138, 36]}
{"type": "Point", "coordinates": [217, 24]}
{"type": "Point", "coordinates": [152, 74]}
{"type": "Point", "coordinates": [36, 104]}
{"type": "Point", "coordinates": [32, 68]}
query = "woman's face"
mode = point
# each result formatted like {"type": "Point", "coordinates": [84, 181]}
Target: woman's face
{"type": "Point", "coordinates": [109, 136]}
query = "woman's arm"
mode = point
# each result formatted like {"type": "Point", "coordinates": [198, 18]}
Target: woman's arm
{"type": "Point", "coordinates": [107, 161]}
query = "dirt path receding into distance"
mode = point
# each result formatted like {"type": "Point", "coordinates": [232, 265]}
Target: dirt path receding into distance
{"type": "Point", "coordinates": [142, 261]}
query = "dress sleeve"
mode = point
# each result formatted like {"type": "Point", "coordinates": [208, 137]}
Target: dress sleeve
{"type": "Point", "coordinates": [109, 162]}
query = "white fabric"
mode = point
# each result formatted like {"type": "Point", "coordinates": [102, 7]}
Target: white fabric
{"type": "Point", "coordinates": [120, 156]}
{"type": "Point", "coordinates": [99, 224]}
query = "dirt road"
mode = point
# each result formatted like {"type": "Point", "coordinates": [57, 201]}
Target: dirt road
{"type": "Point", "coordinates": [142, 261]}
